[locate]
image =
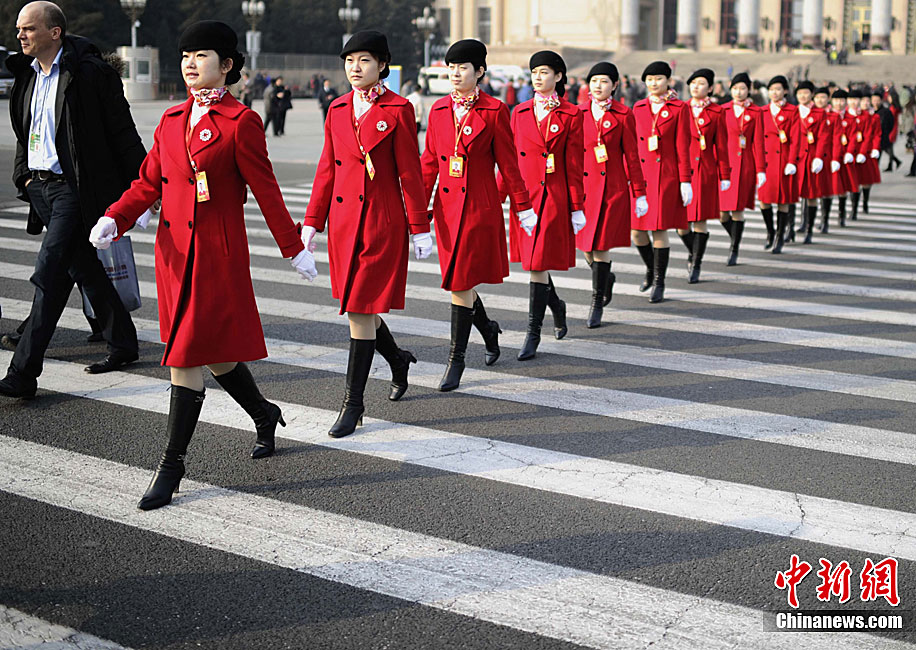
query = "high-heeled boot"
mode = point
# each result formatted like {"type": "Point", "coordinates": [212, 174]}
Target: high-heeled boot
{"type": "Point", "coordinates": [399, 360]}
{"type": "Point", "coordinates": [811, 215]}
{"type": "Point", "coordinates": [825, 214]}
{"type": "Point", "coordinates": [609, 286]}
{"type": "Point", "coordinates": [537, 306]}
{"type": "Point", "coordinates": [462, 317]}
{"type": "Point", "coordinates": [781, 219]}
{"type": "Point", "coordinates": [600, 272]}
{"type": "Point", "coordinates": [688, 240]}
{"type": "Point", "coordinates": [767, 214]}
{"type": "Point", "coordinates": [854, 215]}
{"type": "Point", "coordinates": [358, 367]}
{"type": "Point", "coordinates": [558, 309]}
{"type": "Point", "coordinates": [789, 234]}
{"type": "Point", "coordinates": [241, 387]}
{"type": "Point", "coordinates": [842, 211]}
{"type": "Point", "coordinates": [737, 234]}
{"type": "Point", "coordinates": [866, 192]}
{"type": "Point", "coordinates": [700, 240]}
{"type": "Point", "coordinates": [489, 330]}
{"type": "Point", "coordinates": [645, 252]}
{"type": "Point", "coordinates": [184, 412]}
{"type": "Point", "coordinates": [659, 270]}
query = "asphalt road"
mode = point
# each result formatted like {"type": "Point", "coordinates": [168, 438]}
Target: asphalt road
{"type": "Point", "coordinates": [637, 485]}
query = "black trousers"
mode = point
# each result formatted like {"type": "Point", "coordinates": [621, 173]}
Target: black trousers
{"type": "Point", "coordinates": [66, 257]}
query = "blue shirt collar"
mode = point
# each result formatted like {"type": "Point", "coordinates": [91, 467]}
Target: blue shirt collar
{"type": "Point", "coordinates": [36, 66]}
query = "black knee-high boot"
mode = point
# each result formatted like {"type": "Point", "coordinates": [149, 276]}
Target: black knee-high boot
{"type": "Point", "coordinates": [600, 272]}
{"type": "Point", "coordinates": [699, 250]}
{"type": "Point", "coordinates": [781, 219]}
{"type": "Point", "coordinates": [855, 206]}
{"type": "Point", "coordinates": [767, 214]}
{"type": "Point", "coordinates": [789, 234]}
{"type": "Point", "coordinates": [489, 330]}
{"type": "Point", "coordinates": [659, 270]}
{"type": "Point", "coordinates": [729, 227]}
{"type": "Point", "coordinates": [537, 305]}
{"type": "Point", "coordinates": [809, 220]}
{"type": "Point", "coordinates": [241, 387]}
{"type": "Point", "coordinates": [358, 367]}
{"type": "Point", "coordinates": [804, 223]}
{"type": "Point", "coordinates": [737, 233]}
{"type": "Point", "coordinates": [645, 252]}
{"type": "Point", "coordinates": [688, 240]}
{"type": "Point", "coordinates": [184, 412]}
{"type": "Point", "coordinates": [866, 192]}
{"type": "Point", "coordinates": [462, 318]}
{"type": "Point", "coordinates": [558, 309]}
{"type": "Point", "coordinates": [841, 210]}
{"type": "Point", "coordinates": [825, 214]}
{"type": "Point", "coordinates": [399, 360]}
{"type": "Point", "coordinates": [609, 287]}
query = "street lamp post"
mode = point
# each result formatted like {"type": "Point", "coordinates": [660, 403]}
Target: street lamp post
{"type": "Point", "coordinates": [349, 16]}
{"type": "Point", "coordinates": [133, 8]}
{"type": "Point", "coordinates": [426, 24]}
{"type": "Point", "coordinates": [253, 11]}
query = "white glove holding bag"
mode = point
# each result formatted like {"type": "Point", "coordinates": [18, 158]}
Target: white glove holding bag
{"type": "Point", "coordinates": [834, 166]}
{"type": "Point", "coordinates": [724, 185]}
{"type": "Point", "coordinates": [848, 158]}
{"type": "Point", "coordinates": [642, 206]}
{"type": "Point", "coordinates": [422, 245]}
{"type": "Point", "coordinates": [875, 153]}
{"type": "Point", "coordinates": [790, 170]}
{"type": "Point", "coordinates": [308, 234]}
{"type": "Point", "coordinates": [817, 165]}
{"type": "Point", "coordinates": [103, 233]}
{"type": "Point", "coordinates": [578, 221]}
{"type": "Point", "coordinates": [304, 263]}
{"type": "Point", "coordinates": [761, 179]}
{"type": "Point", "coordinates": [860, 158]}
{"type": "Point", "coordinates": [686, 193]}
{"type": "Point", "coordinates": [527, 219]}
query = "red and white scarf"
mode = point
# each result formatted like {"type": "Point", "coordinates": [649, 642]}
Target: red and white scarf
{"type": "Point", "coordinates": [208, 96]}
{"type": "Point", "coordinates": [603, 104]}
{"type": "Point", "coordinates": [372, 94]}
{"type": "Point", "coordinates": [465, 102]}
{"type": "Point", "coordinates": [657, 99]}
{"type": "Point", "coordinates": [547, 102]}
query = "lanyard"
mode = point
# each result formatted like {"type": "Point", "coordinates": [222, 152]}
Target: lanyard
{"type": "Point", "coordinates": [459, 127]}
{"type": "Point", "coordinates": [187, 142]}
{"type": "Point", "coordinates": [40, 112]}
{"type": "Point", "coordinates": [773, 118]}
{"type": "Point", "coordinates": [655, 118]}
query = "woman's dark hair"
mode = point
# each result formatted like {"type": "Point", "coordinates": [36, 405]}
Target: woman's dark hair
{"type": "Point", "coordinates": [238, 62]}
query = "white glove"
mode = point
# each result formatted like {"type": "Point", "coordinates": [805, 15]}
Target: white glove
{"type": "Point", "coordinates": [790, 170]}
{"type": "Point", "coordinates": [304, 263]}
{"type": "Point", "coordinates": [528, 220]}
{"type": "Point", "coordinates": [422, 245]}
{"type": "Point", "coordinates": [847, 158]}
{"type": "Point", "coordinates": [860, 158]}
{"type": "Point", "coordinates": [761, 179]}
{"type": "Point", "coordinates": [834, 166]}
{"type": "Point", "coordinates": [875, 153]}
{"type": "Point", "coordinates": [817, 165]}
{"type": "Point", "coordinates": [642, 206]}
{"type": "Point", "coordinates": [578, 221]}
{"type": "Point", "coordinates": [724, 185]}
{"type": "Point", "coordinates": [103, 232]}
{"type": "Point", "coordinates": [686, 193]}
{"type": "Point", "coordinates": [308, 234]}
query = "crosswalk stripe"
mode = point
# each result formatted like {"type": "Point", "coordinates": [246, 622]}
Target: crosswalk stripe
{"type": "Point", "coordinates": [546, 599]}
{"type": "Point", "coordinates": [20, 631]}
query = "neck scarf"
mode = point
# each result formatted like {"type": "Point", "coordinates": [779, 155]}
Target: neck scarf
{"type": "Point", "coordinates": [671, 94]}
{"type": "Point", "coordinates": [780, 103]}
{"type": "Point", "coordinates": [604, 105]}
{"type": "Point", "coordinates": [744, 103]}
{"type": "Point", "coordinates": [468, 102]}
{"type": "Point", "coordinates": [208, 96]}
{"type": "Point", "coordinates": [547, 102]}
{"type": "Point", "coordinates": [371, 96]}
{"type": "Point", "coordinates": [700, 103]}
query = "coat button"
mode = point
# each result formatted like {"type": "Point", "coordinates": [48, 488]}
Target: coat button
{"type": "Point", "coordinates": [521, 153]}
{"type": "Point", "coordinates": [642, 160]}
{"type": "Point", "coordinates": [602, 173]}
{"type": "Point", "coordinates": [165, 223]}
{"type": "Point", "coordinates": [165, 180]}
{"type": "Point", "coordinates": [542, 182]}
{"type": "Point", "coordinates": [544, 154]}
{"type": "Point", "coordinates": [442, 157]}
{"type": "Point", "coordinates": [445, 189]}
{"type": "Point", "coordinates": [338, 162]}
{"type": "Point", "coordinates": [641, 138]}
{"type": "Point", "coordinates": [362, 161]}
{"type": "Point", "coordinates": [340, 199]}
{"type": "Point", "coordinates": [360, 197]}
{"type": "Point", "coordinates": [658, 160]}
{"type": "Point", "coordinates": [585, 174]}
{"type": "Point", "coordinates": [190, 181]}
{"type": "Point", "coordinates": [462, 190]}
{"type": "Point", "coordinates": [190, 225]}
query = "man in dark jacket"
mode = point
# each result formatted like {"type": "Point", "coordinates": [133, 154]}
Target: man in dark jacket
{"type": "Point", "coordinates": [77, 150]}
{"type": "Point", "coordinates": [326, 95]}
{"type": "Point", "coordinates": [887, 126]}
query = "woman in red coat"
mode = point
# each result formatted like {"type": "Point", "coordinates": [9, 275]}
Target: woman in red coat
{"type": "Point", "coordinates": [548, 138]}
{"type": "Point", "coordinates": [846, 180]}
{"type": "Point", "coordinates": [467, 137]}
{"type": "Point", "coordinates": [780, 149]}
{"type": "Point", "coordinates": [813, 148]}
{"type": "Point", "coordinates": [663, 128]}
{"type": "Point", "coordinates": [710, 164]}
{"type": "Point", "coordinates": [870, 173]}
{"type": "Point", "coordinates": [745, 157]}
{"type": "Point", "coordinates": [862, 136]}
{"type": "Point", "coordinates": [206, 151]}
{"type": "Point", "coordinates": [611, 164]}
{"type": "Point", "coordinates": [369, 170]}
{"type": "Point", "coordinates": [832, 155]}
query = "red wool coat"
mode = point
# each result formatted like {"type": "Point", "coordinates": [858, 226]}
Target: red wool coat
{"type": "Point", "coordinates": [825, 180]}
{"type": "Point", "coordinates": [870, 170]}
{"type": "Point", "coordinates": [746, 162]}
{"type": "Point", "coordinates": [207, 310]}
{"type": "Point", "coordinates": [779, 188]}
{"type": "Point", "coordinates": [552, 246]}
{"type": "Point", "coordinates": [468, 213]}
{"type": "Point", "coordinates": [709, 165]}
{"type": "Point", "coordinates": [665, 168]}
{"type": "Point", "coordinates": [607, 195]}
{"type": "Point", "coordinates": [813, 143]}
{"type": "Point", "coordinates": [844, 141]}
{"type": "Point", "coordinates": [366, 219]}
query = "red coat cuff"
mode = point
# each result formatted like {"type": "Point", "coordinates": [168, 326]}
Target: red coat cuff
{"type": "Point", "coordinates": [521, 201]}
{"type": "Point", "coordinates": [418, 221]}
{"type": "Point", "coordinates": [315, 222]}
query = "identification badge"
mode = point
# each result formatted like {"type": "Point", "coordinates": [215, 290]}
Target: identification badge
{"type": "Point", "coordinates": [370, 168]}
{"type": "Point", "coordinates": [858, 136]}
{"type": "Point", "coordinates": [702, 143]}
{"type": "Point", "coordinates": [810, 138]}
{"type": "Point", "coordinates": [601, 153]}
{"type": "Point", "coordinates": [844, 140]}
{"type": "Point", "coordinates": [455, 166]}
{"type": "Point", "coordinates": [34, 141]}
{"type": "Point", "coordinates": [551, 164]}
{"type": "Point", "coordinates": [783, 137]}
{"type": "Point", "coordinates": [742, 141]}
{"type": "Point", "coordinates": [653, 142]}
{"type": "Point", "coordinates": [203, 192]}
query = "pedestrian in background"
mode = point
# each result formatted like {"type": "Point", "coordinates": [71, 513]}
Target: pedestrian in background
{"type": "Point", "coordinates": [326, 95]}
{"type": "Point", "coordinates": [416, 100]}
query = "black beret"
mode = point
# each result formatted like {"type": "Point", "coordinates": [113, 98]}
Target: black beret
{"type": "Point", "coordinates": [839, 93]}
{"type": "Point", "coordinates": [855, 94]}
{"type": "Point", "coordinates": [824, 90]}
{"type": "Point", "coordinates": [553, 61]}
{"type": "Point", "coordinates": [877, 93]}
{"type": "Point", "coordinates": [705, 73]}
{"type": "Point", "coordinates": [468, 50]}
{"type": "Point", "coordinates": [369, 41]}
{"type": "Point", "coordinates": [604, 68]}
{"type": "Point", "coordinates": [779, 79]}
{"type": "Point", "coordinates": [804, 85]}
{"type": "Point", "coordinates": [656, 67]}
{"type": "Point", "coordinates": [742, 78]}
{"type": "Point", "coordinates": [218, 36]}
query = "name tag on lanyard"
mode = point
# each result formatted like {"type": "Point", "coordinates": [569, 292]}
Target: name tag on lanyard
{"type": "Point", "coordinates": [844, 140]}
{"type": "Point", "coordinates": [783, 137]}
{"type": "Point", "coordinates": [810, 138]}
{"type": "Point", "coordinates": [742, 141]}
{"type": "Point", "coordinates": [601, 153]}
{"type": "Point", "coordinates": [203, 192]}
{"type": "Point", "coordinates": [34, 141]}
{"type": "Point", "coordinates": [551, 164]}
{"type": "Point", "coordinates": [653, 142]}
{"type": "Point", "coordinates": [455, 166]}
{"type": "Point", "coordinates": [702, 142]}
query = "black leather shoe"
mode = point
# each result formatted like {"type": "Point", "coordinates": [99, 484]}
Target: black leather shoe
{"type": "Point", "coordinates": [114, 361]}
{"type": "Point", "coordinates": [95, 337]}
{"type": "Point", "coordinates": [14, 385]}
{"type": "Point", "coordinates": [9, 341]}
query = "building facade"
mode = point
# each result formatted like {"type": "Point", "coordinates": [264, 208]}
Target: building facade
{"type": "Point", "coordinates": [704, 25]}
